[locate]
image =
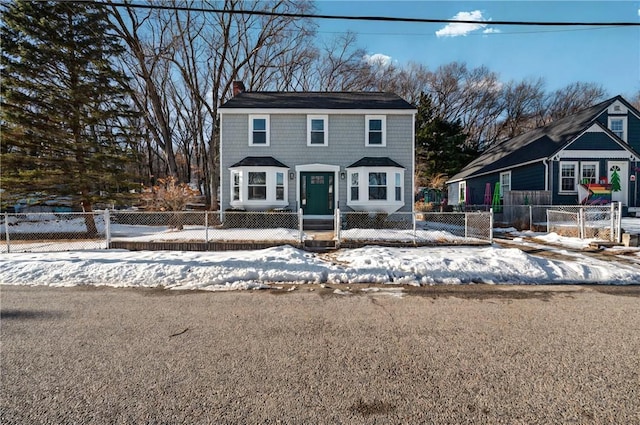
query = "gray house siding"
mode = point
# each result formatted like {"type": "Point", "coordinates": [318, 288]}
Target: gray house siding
{"type": "Point", "coordinates": [288, 144]}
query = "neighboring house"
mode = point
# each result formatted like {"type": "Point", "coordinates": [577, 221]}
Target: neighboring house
{"type": "Point", "coordinates": [600, 144]}
{"type": "Point", "coordinates": [317, 151]}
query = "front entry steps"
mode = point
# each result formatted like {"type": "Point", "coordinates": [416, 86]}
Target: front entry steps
{"type": "Point", "coordinates": [319, 245]}
{"type": "Point", "coordinates": [317, 224]}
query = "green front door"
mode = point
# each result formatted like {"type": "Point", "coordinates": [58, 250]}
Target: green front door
{"type": "Point", "coordinates": [316, 193]}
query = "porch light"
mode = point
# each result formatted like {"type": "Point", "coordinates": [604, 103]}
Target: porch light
{"type": "Point", "coordinates": [292, 176]}
{"type": "Point", "coordinates": [343, 175]}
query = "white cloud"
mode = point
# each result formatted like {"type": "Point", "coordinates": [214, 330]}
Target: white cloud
{"type": "Point", "coordinates": [378, 59]}
{"type": "Point", "coordinates": [491, 31]}
{"type": "Point", "coordinates": [455, 29]}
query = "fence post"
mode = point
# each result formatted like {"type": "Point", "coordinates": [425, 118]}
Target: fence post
{"type": "Point", "coordinates": [413, 216]}
{"type": "Point", "coordinates": [531, 217]}
{"type": "Point", "coordinates": [466, 224]}
{"type": "Point", "coordinates": [6, 231]}
{"type": "Point", "coordinates": [491, 225]}
{"type": "Point", "coordinates": [581, 225]}
{"type": "Point", "coordinates": [107, 227]}
{"type": "Point", "coordinates": [619, 223]}
{"type": "Point", "coordinates": [337, 225]}
{"type": "Point", "coordinates": [300, 225]}
{"type": "Point", "coordinates": [206, 226]}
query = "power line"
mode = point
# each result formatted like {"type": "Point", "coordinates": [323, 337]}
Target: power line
{"type": "Point", "coordinates": [363, 18]}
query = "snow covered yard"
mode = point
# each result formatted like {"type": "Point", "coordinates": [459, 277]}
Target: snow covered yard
{"type": "Point", "coordinates": [286, 264]}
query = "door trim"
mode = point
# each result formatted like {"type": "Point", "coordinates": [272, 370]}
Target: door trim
{"type": "Point", "coordinates": [319, 168]}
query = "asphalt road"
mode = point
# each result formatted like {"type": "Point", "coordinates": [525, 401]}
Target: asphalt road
{"type": "Point", "coordinates": [442, 354]}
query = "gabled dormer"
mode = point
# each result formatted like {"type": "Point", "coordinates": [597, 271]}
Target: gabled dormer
{"type": "Point", "coordinates": [617, 120]}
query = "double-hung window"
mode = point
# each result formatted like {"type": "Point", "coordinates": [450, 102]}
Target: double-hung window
{"type": "Point", "coordinates": [505, 183]}
{"type": "Point", "coordinates": [589, 172]}
{"type": "Point", "coordinates": [279, 186]}
{"type": "Point", "coordinates": [317, 130]}
{"type": "Point", "coordinates": [259, 130]}
{"type": "Point", "coordinates": [377, 186]}
{"type": "Point", "coordinates": [568, 176]}
{"type": "Point", "coordinates": [235, 186]}
{"type": "Point", "coordinates": [398, 187]}
{"type": "Point", "coordinates": [376, 129]}
{"type": "Point", "coordinates": [257, 186]}
{"type": "Point", "coordinates": [355, 187]}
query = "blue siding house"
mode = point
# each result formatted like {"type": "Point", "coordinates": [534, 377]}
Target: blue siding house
{"type": "Point", "coordinates": [599, 144]}
{"type": "Point", "coordinates": [316, 151]}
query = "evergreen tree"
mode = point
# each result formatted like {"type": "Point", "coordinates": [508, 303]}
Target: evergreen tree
{"type": "Point", "coordinates": [64, 109]}
{"type": "Point", "coordinates": [615, 181]}
{"type": "Point", "coordinates": [441, 146]}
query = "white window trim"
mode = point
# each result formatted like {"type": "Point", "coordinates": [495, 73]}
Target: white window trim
{"type": "Point", "coordinates": [582, 165]}
{"type": "Point", "coordinates": [505, 173]}
{"type": "Point", "coordinates": [233, 174]}
{"type": "Point", "coordinates": [363, 203]}
{"type": "Point", "coordinates": [325, 119]}
{"type": "Point", "coordinates": [575, 178]}
{"type": "Point", "coordinates": [368, 118]}
{"type": "Point", "coordinates": [267, 127]}
{"type": "Point", "coordinates": [625, 127]}
{"type": "Point", "coordinates": [462, 192]}
{"type": "Point", "coordinates": [271, 180]}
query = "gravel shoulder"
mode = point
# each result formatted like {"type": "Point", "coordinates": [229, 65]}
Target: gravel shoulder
{"type": "Point", "coordinates": [441, 354]}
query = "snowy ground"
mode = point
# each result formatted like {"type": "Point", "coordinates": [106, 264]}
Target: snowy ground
{"type": "Point", "coordinates": [285, 264]}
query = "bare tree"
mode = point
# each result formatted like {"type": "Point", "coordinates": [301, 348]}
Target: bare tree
{"type": "Point", "coordinates": [572, 98]}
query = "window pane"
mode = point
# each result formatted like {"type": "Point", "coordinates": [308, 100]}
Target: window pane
{"type": "Point", "coordinates": [259, 124]}
{"type": "Point", "coordinates": [279, 179]}
{"type": "Point", "coordinates": [279, 193]}
{"type": "Point", "coordinates": [588, 174]}
{"type": "Point", "coordinates": [398, 194]}
{"type": "Point", "coordinates": [375, 138]}
{"type": "Point", "coordinates": [317, 179]}
{"type": "Point", "coordinates": [259, 138]}
{"type": "Point", "coordinates": [354, 179]}
{"type": "Point", "coordinates": [317, 125]}
{"type": "Point", "coordinates": [236, 193]}
{"type": "Point", "coordinates": [317, 138]}
{"type": "Point", "coordinates": [354, 193]}
{"type": "Point", "coordinates": [257, 192]}
{"type": "Point", "coordinates": [377, 179]}
{"type": "Point", "coordinates": [377, 193]}
{"type": "Point", "coordinates": [375, 125]}
{"type": "Point", "coordinates": [257, 178]}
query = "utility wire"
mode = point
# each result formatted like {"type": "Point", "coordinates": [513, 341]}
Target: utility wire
{"type": "Point", "coordinates": [363, 18]}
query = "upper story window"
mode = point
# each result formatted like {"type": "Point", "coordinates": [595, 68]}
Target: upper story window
{"type": "Point", "coordinates": [376, 130]}
{"type": "Point", "coordinates": [317, 130]}
{"type": "Point", "coordinates": [258, 130]}
{"type": "Point", "coordinates": [618, 125]}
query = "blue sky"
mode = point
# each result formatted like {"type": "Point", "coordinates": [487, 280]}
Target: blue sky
{"type": "Point", "coordinates": [560, 55]}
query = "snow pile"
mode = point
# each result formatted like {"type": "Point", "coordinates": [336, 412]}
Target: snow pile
{"type": "Point", "coordinates": [285, 264]}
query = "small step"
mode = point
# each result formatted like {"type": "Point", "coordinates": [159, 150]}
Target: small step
{"type": "Point", "coordinates": [319, 245]}
{"type": "Point", "coordinates": [315, 224]}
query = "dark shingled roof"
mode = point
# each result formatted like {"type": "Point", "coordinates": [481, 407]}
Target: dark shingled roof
{"type": "Point", "coordinates": [368, 161]}
{"type": "Point", "coordinates": [317, 100]}
{"type": "Point", "coordinates": [537, 144]}
{"type": "Point", "coordinates": [259, 161]}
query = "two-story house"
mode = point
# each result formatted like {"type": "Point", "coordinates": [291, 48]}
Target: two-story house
{"type": "Point", "coordinates": [316, 151]}
{"type": "Point", "coordinates": [600, 144]}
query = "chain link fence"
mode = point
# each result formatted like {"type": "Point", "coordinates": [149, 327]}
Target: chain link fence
{"type": "Point", "coordinates": [418, 228]}
{"type": "Point", "coordinates": [44, 232]}
{"type": "Point", "coordinates": [601, 222]}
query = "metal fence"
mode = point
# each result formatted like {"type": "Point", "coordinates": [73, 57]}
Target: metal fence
{"type": "Point", "coordinates": [47, 232]}
{"type": "Point", "coordinates": [429, 227]}
{"type": "Point", "coordinates": [587, 222]}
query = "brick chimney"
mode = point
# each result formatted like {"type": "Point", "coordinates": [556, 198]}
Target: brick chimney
{"type": "Point", "coordinates": [238, 87]}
